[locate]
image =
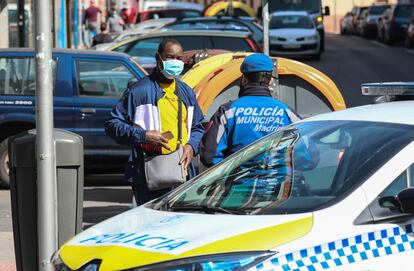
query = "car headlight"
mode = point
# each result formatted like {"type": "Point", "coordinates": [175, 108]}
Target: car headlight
{"type": "Point", "coordinates": [59, 265]}
{"type": "Point", "coordinates": [228, 262]}
{"type": "Point", "coordinates": [313, 37]}
{"type": "Point", "coordinates": [319, 20]}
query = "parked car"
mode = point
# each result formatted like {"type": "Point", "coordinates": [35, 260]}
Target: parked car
{"type": "Point", "coordinates": [368, 26]}
{"type": "Point", "coordinates": [87, 84]}
{"type": "Point", "coordinates": [359, 20]}
{"type": "Point", "coordinates": [332, 192]}
{"type": "Point", "coordinates": [136, 30]}
{"type": "Point", "coordinates": [167, 13]}
{"type": "Point", "coordinates": [356, 17]}
{"type": "Point", "coordinates": [380, 24]}
{"type": "Point", "coordinates": [409, 40]}
{"type": "Point", "coordinates": [293, 33]}
{"type": "Point", "coordinates": [396, 22]}
{"type": "Point", "coordinates": [346, 24]}
{"type": "Point", "coordinates": [144, 47]}
{"type": "Point", "coordinates": [220, 23]}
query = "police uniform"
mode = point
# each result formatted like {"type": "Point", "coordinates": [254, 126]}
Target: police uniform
{"type": "Point", "coordinates": [238, 123]}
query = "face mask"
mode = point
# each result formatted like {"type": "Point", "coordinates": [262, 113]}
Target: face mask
{"type": "Point", "coordinates": [172, 68]}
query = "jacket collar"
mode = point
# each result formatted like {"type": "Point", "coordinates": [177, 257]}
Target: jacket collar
{"type": "Point", "coordinates": [254, 89]}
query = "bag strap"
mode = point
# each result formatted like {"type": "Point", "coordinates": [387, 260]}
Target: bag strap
{"type": "Point", "coordinates": [180, 117]}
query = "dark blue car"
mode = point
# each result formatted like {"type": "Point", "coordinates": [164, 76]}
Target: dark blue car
{"type": "Point", "coordinates": [395, 23]}
{"type": "Point", "coordinates": [87, 84]}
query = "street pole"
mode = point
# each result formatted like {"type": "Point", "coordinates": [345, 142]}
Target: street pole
{"type": "Point", "coordinates": [266, 19]}
{"type": "Point", "coordinates": [45, 151]}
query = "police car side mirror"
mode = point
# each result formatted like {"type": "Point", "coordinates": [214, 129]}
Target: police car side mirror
{"type": "Point", "coordinates": [406, 200]}
{"type": "Point", "coordinates": [403, 202]}
{"type": "Point", "coordinates": [390, 202]}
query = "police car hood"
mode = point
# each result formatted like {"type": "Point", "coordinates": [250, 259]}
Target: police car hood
{"type": "Point", "coordinates": [144, 236]}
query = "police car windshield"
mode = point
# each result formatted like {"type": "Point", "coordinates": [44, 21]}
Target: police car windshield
{"type": "Point", "coordinates": [302, 168]}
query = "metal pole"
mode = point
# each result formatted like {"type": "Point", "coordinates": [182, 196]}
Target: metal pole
{"type": "Point", "coordinates": [45, 150]}
{"type": "Point", "coordinates": [266, 19]}
{"type": "Point", "coordinates": [230, 8]}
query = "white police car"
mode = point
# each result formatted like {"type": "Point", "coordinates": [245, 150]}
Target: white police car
{"type": "Point", "coordinates": [332, 192]}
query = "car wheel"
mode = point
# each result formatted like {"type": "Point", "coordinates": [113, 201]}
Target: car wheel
{"type": "Point", "coordinates": [317, 56]}
{"type": "Point", "coordinates": [4, 163]}
{"type": "Point", "coordinates": [408, 43]}
{"type": "Point", "coordinates": [387, 39]}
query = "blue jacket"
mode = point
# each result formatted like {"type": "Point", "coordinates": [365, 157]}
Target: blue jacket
{"type": "Point", "coordinates": [137, 112]}
{"type": "Point", "coordinates": [239, 123]}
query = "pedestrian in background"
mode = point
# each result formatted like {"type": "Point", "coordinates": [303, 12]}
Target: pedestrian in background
{"type": "Point", "coordinates": [128, 14]}
{"type": "Point", "coordinates": [146, 117]}
{"type": "Point", "coordinates": [91, 22]}
{"type": "Point", "coordinates": [115, 22]}
{"type": "Point", "coordinates": [255, 114]}
{"type": "Point", "coordinates": [103, 36]}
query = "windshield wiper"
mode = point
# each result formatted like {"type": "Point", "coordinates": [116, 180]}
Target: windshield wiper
{"type": "Point", "coordinates": [207, 209]}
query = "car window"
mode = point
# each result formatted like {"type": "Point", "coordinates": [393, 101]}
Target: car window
{"type": "Point", "coordinates": [303, 97]}
{"type": "Point", "coordinates": [18, 76]}
{"type": "Point", "coordinates": [404, 180]}
{"type": "Point", "coordinates": [122, 48]}
{"type": "Point", "coordinates": [194, 42]}
{"type": "Point", "coordinates": [232, 44]}
{"type": "Point", "coordinates": [230, 94]}
{"type": "Point", "coordinates": [104, 79]}
{"type": "Point", "coordinates": [404, 11]}
{"type": "Point", "coordinates": [189, 13]}
{"type": "Point", "coordinates": [145, 47]}
{"type": "Point", "coordinates": [377, 10]}
{"type": "Point", "coordinates": [301, 168]}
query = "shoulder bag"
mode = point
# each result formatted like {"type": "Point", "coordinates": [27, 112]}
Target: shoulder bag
{"type": "Point", "coordinates": [165, 170]}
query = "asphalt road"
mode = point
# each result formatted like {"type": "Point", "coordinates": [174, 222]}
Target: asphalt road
{"type": "Point", "coordinates": [350, 61]}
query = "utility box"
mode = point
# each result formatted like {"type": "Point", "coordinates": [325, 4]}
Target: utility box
{"type": "Point", "coordinates": [23, 188]}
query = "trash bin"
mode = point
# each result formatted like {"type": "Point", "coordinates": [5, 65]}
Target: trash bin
{"type": "Point", "coordinates": [23, 188]}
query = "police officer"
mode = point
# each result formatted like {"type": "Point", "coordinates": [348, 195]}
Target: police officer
{"type": "Point", "coordinates": [255, 114]}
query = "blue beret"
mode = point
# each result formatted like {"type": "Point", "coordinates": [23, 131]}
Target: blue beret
{"type": "Point", "coordinates": [256, 63]}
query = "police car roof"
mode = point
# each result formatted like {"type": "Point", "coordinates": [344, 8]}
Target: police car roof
{"type": "Point", "coordinates": [393, 112]}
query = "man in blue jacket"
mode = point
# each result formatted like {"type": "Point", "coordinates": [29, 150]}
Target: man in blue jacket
{"type": "Point", "coordinates": [146, 119]}
{"type": "Point", "coordinates": [255, 114]}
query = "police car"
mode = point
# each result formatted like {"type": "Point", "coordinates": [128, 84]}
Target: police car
{"type": "Point", "coordinates": [332, 192]}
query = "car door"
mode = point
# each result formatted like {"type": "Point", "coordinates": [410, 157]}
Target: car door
{"type": "Point", "coordinates": [389, 241]}
{"type": "Point", "coordinates": [100, 83]}
{"type": "Point", "coordinates": [395, 247]}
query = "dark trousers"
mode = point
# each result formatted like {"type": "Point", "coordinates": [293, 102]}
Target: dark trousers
{"type": "Point", "coordinates": [141, 192]}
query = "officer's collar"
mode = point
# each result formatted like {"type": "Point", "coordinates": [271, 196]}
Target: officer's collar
{"type": "Point", "coordinates": [254, 89]}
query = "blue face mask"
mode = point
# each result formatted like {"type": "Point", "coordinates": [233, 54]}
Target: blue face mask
{"type": "Point", "coordinates": [172, 68]}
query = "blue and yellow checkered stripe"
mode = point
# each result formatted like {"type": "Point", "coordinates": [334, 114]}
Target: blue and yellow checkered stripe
{"type": "Point", "coordinates": [345, 251]}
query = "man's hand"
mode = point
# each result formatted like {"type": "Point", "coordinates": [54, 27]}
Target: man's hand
{"type": "Point", "coordinates": [188, 154]}
{"type": "Point", "coordinates": [155, 138]}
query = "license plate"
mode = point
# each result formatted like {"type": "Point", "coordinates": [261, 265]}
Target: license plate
{"type": "Point", "coordinates": [291, 46]}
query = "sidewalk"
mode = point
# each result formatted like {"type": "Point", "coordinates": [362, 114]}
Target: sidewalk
{"type": "Point", "coordinates": [7, 260]}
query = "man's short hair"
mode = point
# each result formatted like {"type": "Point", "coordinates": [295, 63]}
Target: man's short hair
{"type": "Point", "coordinates": [163, 44]}
{"type": "Point", "coordinates": [258, 77]}
{"type": "Point", "coordinates": [103, 26]}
